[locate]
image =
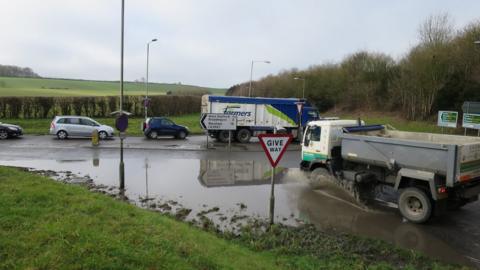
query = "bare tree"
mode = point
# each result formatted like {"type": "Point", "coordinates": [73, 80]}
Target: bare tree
{"type": "Point", "coordinates": [436, 30]}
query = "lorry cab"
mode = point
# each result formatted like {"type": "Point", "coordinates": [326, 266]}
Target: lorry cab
{"type": "Point", "coordinates": [321, 138]}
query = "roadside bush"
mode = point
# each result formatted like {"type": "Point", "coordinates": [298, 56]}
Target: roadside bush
{"type": "Point", "coordinates": [46, 107]}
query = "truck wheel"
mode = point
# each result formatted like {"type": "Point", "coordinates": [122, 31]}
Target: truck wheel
{"type": "Point", "coordinates": [244, 135]}
{"type": "Point", "coordinates": [415, 205]}
{"type": "Point", "coordinates": [223, 136]}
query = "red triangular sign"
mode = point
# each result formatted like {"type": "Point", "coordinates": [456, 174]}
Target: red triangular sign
{"type": "Point", "coordinates": [274, 146]}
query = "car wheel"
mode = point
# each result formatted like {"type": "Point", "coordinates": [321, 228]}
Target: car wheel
{"type": "Point", "coordinates": [3, 134]}
{"type": "Point", "coordinates": [415, 205]}
{"type": "Point", "coordinates": [62, 135]}
{"type": "Point", "coordinates": [181, 135]}
{"type": "Point", "coordinates": [244, 135]}
{"type": "Point", "coordinates": [223, 136]}
{"type": "Point", "coordinates": [152, 135]}
{"type": "Point", "coordinates": [102, 135]}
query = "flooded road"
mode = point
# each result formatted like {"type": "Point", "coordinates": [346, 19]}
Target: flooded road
{"type": "Point", "coordinates": [231, 188]}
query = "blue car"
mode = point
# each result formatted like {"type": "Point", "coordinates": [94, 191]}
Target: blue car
{"type": "Point", "coordinates": [161, 126]}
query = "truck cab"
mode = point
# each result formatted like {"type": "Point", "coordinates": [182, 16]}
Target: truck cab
{"type": "Point", "coordinates": [321, 141]}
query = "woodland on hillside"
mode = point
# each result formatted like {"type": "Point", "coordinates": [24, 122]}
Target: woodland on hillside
{"type": "Point", "coordinates": [439, 73]}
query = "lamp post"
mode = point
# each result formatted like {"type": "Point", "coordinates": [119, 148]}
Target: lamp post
{"type": "Point", "coordinates": [251, 74]}
{"type": "Point", "coordinates": [146, 81]}
{"type": "Point", "coordinates": [303, 88]}
{"type": "Point", "coordinates": [122, 164]}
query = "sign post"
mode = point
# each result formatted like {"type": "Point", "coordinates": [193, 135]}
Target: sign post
{"type": "Point", "coordinates": [274, 146]}
{"type": "Point", "coordinates": [219, 121]}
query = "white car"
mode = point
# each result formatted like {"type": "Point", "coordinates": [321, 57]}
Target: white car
{"type": "Point", "coordinates": [78, 126]}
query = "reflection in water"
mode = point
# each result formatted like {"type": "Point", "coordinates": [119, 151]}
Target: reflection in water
{"type": "Point", "coordinates": [241, 188]}
{"type": "Point", "coordinates": [221, 173]}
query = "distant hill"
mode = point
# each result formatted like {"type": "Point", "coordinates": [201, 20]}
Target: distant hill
{"type": "Point", "coordinates": [15, 71]}
{"type": "Point", "coordinates": [11, 86]}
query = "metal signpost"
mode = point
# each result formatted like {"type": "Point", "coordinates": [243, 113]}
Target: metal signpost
{"type": "Point", "coordinates": [219, 121]}
{"type": "Point", "coordinates": [274, 146]}
{"type": "Point", "coordinates": [121, 123]}
{"type": "Point", "coordinates": [471, 120]}
{"type": "Point", "coordinates": [447, 119]}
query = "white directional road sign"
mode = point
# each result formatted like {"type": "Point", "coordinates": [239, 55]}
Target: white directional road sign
{"type": "Point", "coordinates": [447, 119]}
{"type": "Point", "coordinates": [218, 121]}
{"type": "Point", "coordinates": [274, 146]}
{"type": "Point", "coordinates": [471, 120]}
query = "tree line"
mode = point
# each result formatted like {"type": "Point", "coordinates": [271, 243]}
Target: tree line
{"type": "Point", "coordinates": [14, 71]}
{"type": "Point", "coordinates": [439, 73]}
{"type": "Point", "coordinates": [45, 107]}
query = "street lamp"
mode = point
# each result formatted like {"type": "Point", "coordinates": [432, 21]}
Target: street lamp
{"type": "Point", "coordinates": [146, 81]}
{"type": "Point", "coordinates": [303, 88]}
{"type": "Point", "coordinates": [251, 74]}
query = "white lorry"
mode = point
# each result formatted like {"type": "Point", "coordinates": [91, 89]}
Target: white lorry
{"type": "Point", "coordinates": [429, 172]}
{"type": "Point", "coordinates": [258, 115]}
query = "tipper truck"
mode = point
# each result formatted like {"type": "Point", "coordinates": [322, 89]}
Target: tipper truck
{"type": "Point", "coordinates": [428, 172]}
{"type": "Point", "coordinates": [258, 115]}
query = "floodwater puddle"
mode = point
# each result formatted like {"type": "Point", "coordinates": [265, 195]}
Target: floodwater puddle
{"type": "Point", "coordinates": [226, 194]}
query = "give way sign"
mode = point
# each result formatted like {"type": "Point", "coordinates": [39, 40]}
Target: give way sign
{"type": "Point", "coordinates": [274, 146]}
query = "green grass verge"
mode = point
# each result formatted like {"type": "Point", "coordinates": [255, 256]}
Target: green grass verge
{"type": "Point", "coordinates": [49, 225]}
{"type": "Point", "coordinates": [45, 224]}
{"type": "Point", "coordinates": [11, 86]}
{"type": "Point", "coordinates": [42, 126]}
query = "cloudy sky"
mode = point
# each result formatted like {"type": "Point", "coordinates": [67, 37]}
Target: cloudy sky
{"type": "Point", "coordinates": [208, 42]}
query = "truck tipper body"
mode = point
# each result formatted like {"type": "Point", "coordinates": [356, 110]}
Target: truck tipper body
{"type": "Point", "coordinates": [258, 115]}
{"type": "Point", "coordinates": [430, 172]}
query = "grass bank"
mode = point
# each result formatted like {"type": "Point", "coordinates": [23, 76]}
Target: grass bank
{"type": "Point", "coordinates": [49, 225]}
{"type": "Point", "coordinates": [42, 126]}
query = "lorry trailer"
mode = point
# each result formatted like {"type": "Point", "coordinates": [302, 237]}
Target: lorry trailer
{"type": "Point", "coordinates": [430, 172]}
{"type": "Point", "coordinates": [258, 115]}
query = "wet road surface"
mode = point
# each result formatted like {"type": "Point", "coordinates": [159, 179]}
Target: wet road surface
{"type": "Point", "coordinates": [159, 175]}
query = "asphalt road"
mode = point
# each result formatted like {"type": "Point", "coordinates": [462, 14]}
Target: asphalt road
{"type": "Point", "coordinates": [454, 237]}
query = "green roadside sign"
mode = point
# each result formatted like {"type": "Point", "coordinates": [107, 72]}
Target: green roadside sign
{"type": "Point", "coordinates": [471, 120]}
{"type": "Point", "coordinates": [447, 119]}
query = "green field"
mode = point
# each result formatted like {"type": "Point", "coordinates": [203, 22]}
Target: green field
{"type": "Point", "coordinates": [46, 224]}
{"type": "Point", "coordinates": [10, 86]}
{"type": "Point", "coordinates": [42, 126]}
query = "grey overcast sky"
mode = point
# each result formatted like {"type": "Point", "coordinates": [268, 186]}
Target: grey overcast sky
{"type": "Point", "coordinates": [208, 42]}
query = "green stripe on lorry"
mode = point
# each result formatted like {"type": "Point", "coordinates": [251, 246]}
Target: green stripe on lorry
{"type": "Point", "coordinates": [469, 166]}
{"type": "Point", "coordinates": [309, 156]}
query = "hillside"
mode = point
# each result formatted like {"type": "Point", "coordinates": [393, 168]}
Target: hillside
{"type": "Point", "coordinates": [10, 86]}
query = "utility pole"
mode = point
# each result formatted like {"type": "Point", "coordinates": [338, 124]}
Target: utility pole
{"type": "Point", "coordinates": [122, 165]}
